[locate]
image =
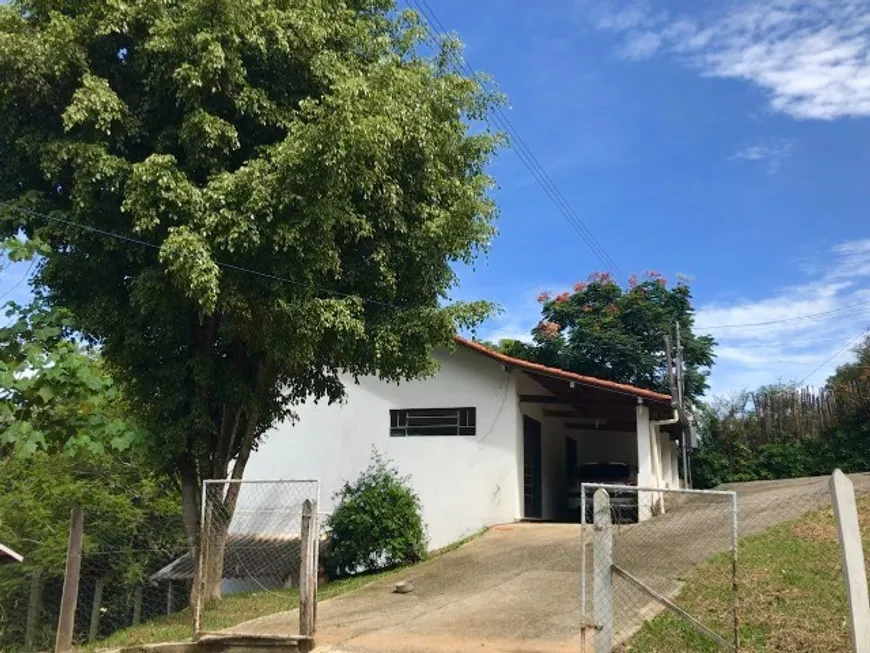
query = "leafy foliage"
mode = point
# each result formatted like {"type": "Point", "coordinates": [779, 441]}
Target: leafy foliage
{"type": "Point", "coordinates": [603, 330]}
{"type": "Point", "coordinates": [309, 142]}
{"type": "Point", "coordinates": [376, 523]}
{"type": "Point", "coordinates": [66, 439]}
{"type": "Point", "coordinates": [56, 396]}
{"type": "Point", "coordinates": [737, 444]}
{"type": "Point", "coordinates": [132, 528]}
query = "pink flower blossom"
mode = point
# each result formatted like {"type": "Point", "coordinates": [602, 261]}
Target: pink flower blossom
{"type": "Point", "coordinates": [579, 286]}
{"type": "Point", "coordinates": [662, 282]}
{"type": "Point", "coordinates": [548, 329]}
{"type": "Point", "coordinates": [611, 309]}
{"type": "Point", "coordinates": [599, 277]}
{"type": "Point", "coordinates": [544, 297]}
{"type": "Point", "coordinates": [561, 298]}
{"type": "Point", "coordinates": [632, 280]}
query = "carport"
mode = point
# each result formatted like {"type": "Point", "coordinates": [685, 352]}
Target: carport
{"type": "Point", "coordinates": [569, 419]}
{"type": "Point", "coordinates": [566, 419]}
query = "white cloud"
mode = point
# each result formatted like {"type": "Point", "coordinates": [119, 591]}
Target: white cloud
{"type": "Point", "coordinates": [641, 45]}
{"type": "Point", "coordinates": [811, 57]}
{"type": "Point", "coordinates": [520, 315]}
{"type": "Point", "coordinates": [772, 154]}
{"type": "Point", "coordinates": [836, 296]}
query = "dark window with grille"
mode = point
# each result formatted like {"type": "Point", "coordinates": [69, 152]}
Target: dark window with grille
{"type": "Point", "coordinates": [433, 421]}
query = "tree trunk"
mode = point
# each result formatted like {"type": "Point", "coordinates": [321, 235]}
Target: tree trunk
{"type": "Point", "coordinates": [213, 568]}
{"type": "Point", "coordinates": [191, 518]}
{"type": "Point", "coordinates": [221, 499]}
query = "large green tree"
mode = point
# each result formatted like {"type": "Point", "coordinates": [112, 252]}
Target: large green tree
{"type": "Point", "coordinates": [314, 143]}
{"type": "Point", "coordinates": [604, 330]}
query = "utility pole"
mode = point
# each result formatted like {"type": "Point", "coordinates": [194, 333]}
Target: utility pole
{"type": "Point", "coordinates": [672, 384]}
{"type": "Point", "coordinates": [680, 391]}
{"type": "Point", "coordinates": [681, 387]}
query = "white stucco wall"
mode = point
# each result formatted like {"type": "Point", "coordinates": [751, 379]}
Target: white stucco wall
{"type": "Point", "coordinates": [465, 483]}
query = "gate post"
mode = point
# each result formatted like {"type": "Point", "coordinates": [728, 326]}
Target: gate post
{"type": "Point", "coordinates": [854, 574]}
{"type": "Point", "coordinates": [602, 582]}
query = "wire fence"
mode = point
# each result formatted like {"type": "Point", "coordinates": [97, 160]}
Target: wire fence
{"type": "Point", "coordinates": [644, 544]}
{"type": "Point", "coordinates": [252, 541]}
{"type": "Point", "coordinates": [116, 587]}
{"type": "Point", "coordinates": [749, 567]}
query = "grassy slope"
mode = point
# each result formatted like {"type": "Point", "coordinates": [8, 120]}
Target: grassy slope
{"type": "Point", "coordinates": [239, 608]}
{"type": "Point", "coordinates": [791, 593]}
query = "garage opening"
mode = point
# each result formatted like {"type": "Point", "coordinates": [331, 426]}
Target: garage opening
{"type": "Point", "coordinates": [574, 432]}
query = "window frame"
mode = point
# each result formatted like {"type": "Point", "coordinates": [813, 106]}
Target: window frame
{"type": "Point", "coordinates": [459, 421]}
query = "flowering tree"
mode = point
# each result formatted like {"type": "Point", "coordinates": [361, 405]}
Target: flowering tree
{"type": "Point", "coordinates": [604, 330]}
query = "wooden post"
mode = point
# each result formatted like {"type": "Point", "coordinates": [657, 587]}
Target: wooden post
{"type": "Point", "coordinates": [170, 599]}
{"type": "Point", "coordinates": [96, 606]}
{"type": "Point", "coordinates": [852, 553]}
{"type": "Point", "coordinates": [205, 533]}
{"type": "Point", "coordinates": [137, 606]}
{"type": "Point", "coordinates": [307, 575]}
{"type": "Point", "coordinates": [34, 607]}
{"type": "Point", "coordinates": [67, 618]}
{"type": "Point", "coordinates": [602, 580]}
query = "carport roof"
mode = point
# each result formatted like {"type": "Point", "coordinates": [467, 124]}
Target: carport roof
{"type": "Point", "coordinates": [563, 374]}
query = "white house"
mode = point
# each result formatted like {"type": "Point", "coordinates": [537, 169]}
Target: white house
{"type": "Point", "coordinates": [489, 439]}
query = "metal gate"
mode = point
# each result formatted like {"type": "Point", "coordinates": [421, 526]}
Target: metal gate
{"type": "Point", "coordinates": [259, 536]}
{"type": "Point", "coordinates": [645, 543]}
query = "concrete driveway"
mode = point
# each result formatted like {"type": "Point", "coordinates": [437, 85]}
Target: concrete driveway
{"type": "Point", "coordinates": [516, 589]}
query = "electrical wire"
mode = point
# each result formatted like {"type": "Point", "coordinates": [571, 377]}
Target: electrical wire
{"type": "Point", "coordinates": [230, 266]}
{"type": "Point", "coordinates": [20, 281]}
{"type": "Point", "coordinates": [837, 353]}
{"type": "Point", "coordinates": [500, 120]}
{"type": "Point", "coordinates": [808, 316]}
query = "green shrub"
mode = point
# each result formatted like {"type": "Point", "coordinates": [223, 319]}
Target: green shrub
{"type": "Point", "coordinates": [376, 523]}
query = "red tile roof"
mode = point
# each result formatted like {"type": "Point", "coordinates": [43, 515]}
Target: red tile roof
{"type": "Point", "coordinates": [562, 374]}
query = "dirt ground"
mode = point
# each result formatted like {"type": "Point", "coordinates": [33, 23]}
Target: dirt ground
{"type": "Point", "coordinates": [516, 589]}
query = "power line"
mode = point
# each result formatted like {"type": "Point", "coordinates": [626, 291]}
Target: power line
{"type": "Point", "coordinates": [230, 266]}
{"type": "Point", "coordinates": [808, 316]}
{"type": "Point", "coordinates": [837, 353]}
{"type": "Point", "coordinates": [20, 281]}
{"type": "Point", "coordinates": [523, 152]}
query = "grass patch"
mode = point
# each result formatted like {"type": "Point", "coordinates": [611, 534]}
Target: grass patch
{"type": "Point", "coordinates": [236, 609]}
{"type": "Point", "coordinates": [458, 543]}
{"type": "Point", "coordinates": [791, 593]}
{"type": "Point", "coordinates": [230, 611]}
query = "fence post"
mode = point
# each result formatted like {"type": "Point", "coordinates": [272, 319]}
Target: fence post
{"type": "Point", "coordinates": [852, 553]}
{"type": "Point", "coordinates": [97, 604]}
{"type": "Point", "coordinates": [205, 533]}
{"type": "Point", "coordinates": [34, 607]}
{"type": "Point", "coordinates": [602, 564]}
{"type": "Point", "coordinates": [307, 579]}
{"type": "Point", "coordinates": [66, 619]}
{"type": "Point", "coordinates": [137, 605]}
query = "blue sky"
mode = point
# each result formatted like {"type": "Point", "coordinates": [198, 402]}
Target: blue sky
{"type": "Point", "coordinates": [727, 141]}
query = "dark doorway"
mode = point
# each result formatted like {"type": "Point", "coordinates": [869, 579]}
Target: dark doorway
{"type": "Point", "coordinates": [570, 457]}
{"type": "Point", "coordinates": [532, 468]}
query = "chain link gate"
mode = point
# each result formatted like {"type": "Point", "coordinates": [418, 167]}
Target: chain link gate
{"type": "Point", "coordinates": [644, 543]}
{"type": "Point", "coordinates": [259, 536]}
